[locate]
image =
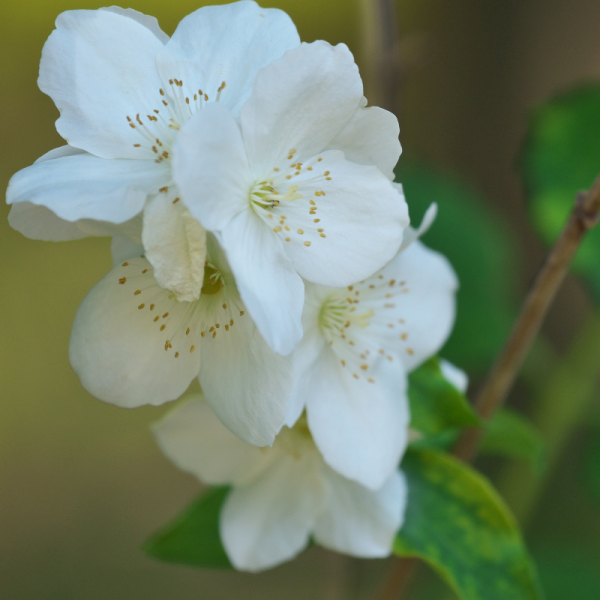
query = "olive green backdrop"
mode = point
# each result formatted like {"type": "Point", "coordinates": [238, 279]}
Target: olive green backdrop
{"type": "Point", "coordinates": [82, 483]}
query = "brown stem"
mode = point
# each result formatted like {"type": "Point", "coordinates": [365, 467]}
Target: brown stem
{"type": "Point", "coordinates": [380, 49]}
{"type": "Point", "coordinates": [389, 72]}
{"type": "Point", "coordinates": [583, 217]}
{"type": "Point", "coordinates": [402, 573]}
{"type": "Point", "coordinates": [504, 372]}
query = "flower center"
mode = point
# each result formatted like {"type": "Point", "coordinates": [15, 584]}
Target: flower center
{"type": "Point", "coordinates": [342, 323]}
{"type": "Point", "coordinates": [159, 129]}
{"type": "Point", "coordinates": [264, 195]}
{"type": "Point", "coordinates": [220, 302]}
{"type": "Point", "coordinates": [360, 335]}
{"type": "Point", "coordinates": [213, 280]}
{"type": "Point", "coordinates": [180, 326]}
{"type": "Point", "coordinates": [337, 314]}
{"type": "Point", "coordinates": [287, 201]}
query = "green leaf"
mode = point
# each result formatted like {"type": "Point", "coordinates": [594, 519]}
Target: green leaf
{"type": "Point", "coordinates": [457, 523]}
{"type": "Point", "coordinates": [480, 249]}
{"type": "Point", "coordinates": [561, 156]}
{"type": "Point", "coordinates": [435, 404]}
{"type": "Point", "coordinates": [193, 537]}
{"type": "Point", "coordinates": [510, 434]}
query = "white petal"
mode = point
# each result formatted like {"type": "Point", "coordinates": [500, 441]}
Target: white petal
{"type": "Point", "coordinates": [100, 67]}
{"type": "Point", "coordinates": [196, 441]}
{"type": "Point", "coordinates": [457, 377]}
{"type": "Point", "coordinates": [129, 344]}
{"type": "Point", "coordinates": [40, 223]}
{"type": "Point", "coordinates": [210, 167]}
{"type": "Point", "coordinates": [175, 244]}
{"type": "Point", "coordinates": [267, 282]}
{"type": "Point", "coordinates": [123, 248]}
{"type": "Point", "coordinates": [132, 229]}
{"type": "Point", "coordinates": [307, 352]}
{"type": "Point", "coordinates": [269, 521]}
{"type": "Point", "coordinates": [60, 152]}
{"type": "Point", "coordinates": [359, 521]}
{"type": "Point", "coordinates": [361, 218]}
{"type": "Point", "coordinates": [230, 43]}
{"type": "Point", "coordinates": [371, 138]}
{"type": "Point", "coordinates": [244, 381]}
{"type": "Point", "coordinates": [147, 21]}
{"type": "Point", "coordinates": [83, 186]}
{"type": "Point", "coordinates": [360, 426]}
{"type": "Point", "coordinates": [415, 322]}
{"type": "Point", "coordinates": [301, 102]}
{"type": "Point", "coordinates": [410, 234]}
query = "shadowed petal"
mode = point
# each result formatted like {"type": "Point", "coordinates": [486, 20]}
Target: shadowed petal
{"type": "Point", "coordinates": [359, 521]}
{"type": "Point", "coordinates": [269, 520]}
{"type": "Point", "coordinates": [132, 343]}
{"type": "Point", "coordinates": [196, 441]}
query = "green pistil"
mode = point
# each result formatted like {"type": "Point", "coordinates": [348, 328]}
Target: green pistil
{"type": "Point", "coordinates": [213, 282]}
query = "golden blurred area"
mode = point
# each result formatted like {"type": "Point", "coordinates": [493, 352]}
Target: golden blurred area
{"type": "Point", "coordinates": [82, 483]}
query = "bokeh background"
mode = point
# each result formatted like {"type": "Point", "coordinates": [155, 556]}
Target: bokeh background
{"type": "Point", "coordinates": [82, 484]}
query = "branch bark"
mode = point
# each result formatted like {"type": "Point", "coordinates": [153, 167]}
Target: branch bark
{"type": "Point", "coordinates": [552, 273]}
{"type": "Point", "coordinates": [493, 393]}
{"type": "Point", "coordinates": [381, 52]}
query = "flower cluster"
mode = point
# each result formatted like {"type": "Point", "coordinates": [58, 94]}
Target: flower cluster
{"type": "Point", "coordinates": [261, 246]}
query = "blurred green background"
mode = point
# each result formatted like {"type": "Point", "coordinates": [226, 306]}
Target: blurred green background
{"type": "Point", "coordinates": [82, 484]}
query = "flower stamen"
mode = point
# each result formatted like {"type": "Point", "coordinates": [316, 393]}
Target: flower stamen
{"type": "Point", "coordinates": [160, 132]}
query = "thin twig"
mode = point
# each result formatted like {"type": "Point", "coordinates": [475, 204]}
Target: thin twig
{"type": "Point", "coordinates": [389, 71]}
{"type": "Point", "coordinates": [402, 573]}
{"type": "Point", "coordinates": [381, 52]}
{"type": "Point", "coordinates": [508, 364]}
{"type": "Point", "coordinates": [575, 376]}
{"type": "Point", "coordinates": [493, 394]}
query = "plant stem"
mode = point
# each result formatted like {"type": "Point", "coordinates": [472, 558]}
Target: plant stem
{"type": "Point", "coordinates": [504, 372]}
{"type": "Point", "coordinates": [402, 573]}
{"type": "Point", "coordinates": [381, 52]}
{"type": "Point", "coordinates": [493, 393]}
{"type": "Point", "coordinates": [560, 406]}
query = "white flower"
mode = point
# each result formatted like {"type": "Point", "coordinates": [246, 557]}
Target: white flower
{"type": "Point", "coordinates": [300, 188]}
{"type": "Point", "coordinates": [281, 495]}
{"type": "Point", "coordinates": [134, 343]}
{"type": "Point", "coordinates": [359, 344]}
{"type": "Point", "coordinates": [124, 90]}
{"type": "Point", "coordinates": [130, 99]}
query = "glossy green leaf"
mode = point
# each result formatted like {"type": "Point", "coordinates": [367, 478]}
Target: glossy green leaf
{"type": "Point", "coordinates": [435, 404]}
{"type": "Point", "coordinates": [193, 537]}
{"type": "Point", "coordinates": [510, 434]}
{"type": "Point", "coordinates": [560, 158]}
{"type": "Point", "coordinates": [480, 249]}
{"type": "Point", "coordinates": [459, 525]}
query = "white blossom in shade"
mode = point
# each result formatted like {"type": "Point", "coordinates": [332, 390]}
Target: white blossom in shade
{"type": "Point", "coordinates": [135, 343]}
{"type": "Point", "coordinates": [281, 495]}
{"type": "Point", "coordinates": [124, 90]}
{"type": "Point", "coordinates": [359, 344]}
{"type": "Point", "coordinates": [299, 187]}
